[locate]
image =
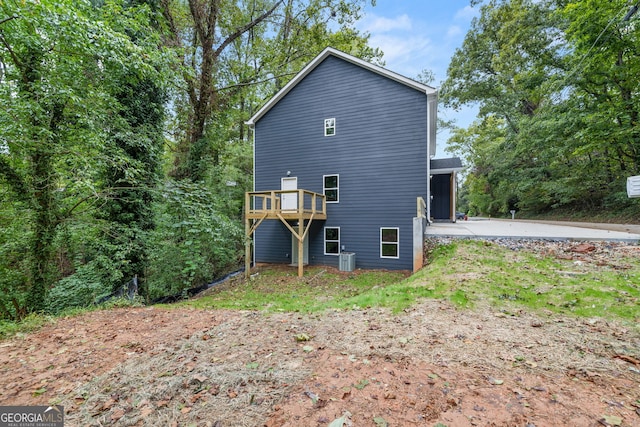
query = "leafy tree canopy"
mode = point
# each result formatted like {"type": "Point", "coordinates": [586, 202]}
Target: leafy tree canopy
{"type": "Point", "coordinates": [555, 80]}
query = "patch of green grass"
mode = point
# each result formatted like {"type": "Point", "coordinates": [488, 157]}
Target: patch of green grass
{"type": "Point", "coordinates": [396, 296]}
{"type": "Point", "coordinates": [459, 298]}
{"type": "Point", "coordinates": [480, 271]}
{"type": "Point", "coordinates": [465, 273]}
{"type": "Point", "coordinates": [318, 290]}
{"type": "Point", "coordinates": [30, 323]}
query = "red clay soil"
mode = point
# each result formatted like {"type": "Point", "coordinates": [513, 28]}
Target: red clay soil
{"type": "Point", "coordinates": [54, 360]}
{"type": "Point", "coordinates": [432, 364]}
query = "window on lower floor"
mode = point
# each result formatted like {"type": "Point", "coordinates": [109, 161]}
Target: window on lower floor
{"type": "Point", "coordinates": [389, 242]}
{"type": "Point", "coordinates": [331, 188]}
{"type": "Point", "coordinates": [332, 240]}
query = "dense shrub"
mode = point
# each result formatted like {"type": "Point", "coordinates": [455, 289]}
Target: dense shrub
{"type": "Point", "coordinates": [193, 242]}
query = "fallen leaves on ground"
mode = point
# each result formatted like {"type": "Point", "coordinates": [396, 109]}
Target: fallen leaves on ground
{"type": "Point", "coordinates": [432, 363]}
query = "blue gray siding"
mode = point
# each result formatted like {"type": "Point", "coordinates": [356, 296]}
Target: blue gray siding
{"type": "Point", "coordinates": [379, 151]}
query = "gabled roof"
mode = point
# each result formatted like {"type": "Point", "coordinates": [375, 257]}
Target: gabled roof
{"type": "Point", "coordinates": [428, 90]}
{"type": "Point", "coordinates": [442, 166]}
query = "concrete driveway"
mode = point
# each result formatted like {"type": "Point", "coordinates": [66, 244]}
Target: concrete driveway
{"type": "Point", "coordinates": [525, 229]}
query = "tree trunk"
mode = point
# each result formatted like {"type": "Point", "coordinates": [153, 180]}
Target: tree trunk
{"type": "Point", "coordinates": [203, 94]}
{"type": "Point", "coordinates": [45, 214]}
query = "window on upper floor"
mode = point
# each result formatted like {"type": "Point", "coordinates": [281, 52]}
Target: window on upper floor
{"type": "Point", "coordinates": [389, 242]}
{"type": "Point", "coordinates": [329, 127]}
{"type": "Point", "coordinates": [332, 240]}
{"type": "Point", "coordinates": [331, 188]}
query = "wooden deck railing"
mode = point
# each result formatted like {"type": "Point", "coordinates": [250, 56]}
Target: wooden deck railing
{"type": "Point", "coordinates": [289, 204]}
{"type": "Point", "coordinates": [296, 209]}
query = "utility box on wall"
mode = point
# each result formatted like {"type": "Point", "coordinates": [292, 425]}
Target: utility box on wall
{"type": "Point", "coordinates": [347, 261]}
{"type": "Point", "coordinates": [633, 186]}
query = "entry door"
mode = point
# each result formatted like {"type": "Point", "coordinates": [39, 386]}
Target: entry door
{"type": "Point", "coordinates": [441, 193]}
{"type": "Point", "coordinates": [289, 201]}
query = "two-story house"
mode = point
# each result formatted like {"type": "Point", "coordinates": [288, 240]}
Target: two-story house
{"type": "Point", "coordinates": [342, 163]}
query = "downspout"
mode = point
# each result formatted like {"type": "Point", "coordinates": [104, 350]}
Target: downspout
{"type": "Point", "coordinates": [253, 186]}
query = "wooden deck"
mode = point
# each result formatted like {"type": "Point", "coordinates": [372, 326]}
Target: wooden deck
{"type": "Point", "coordinates": [288, 206]}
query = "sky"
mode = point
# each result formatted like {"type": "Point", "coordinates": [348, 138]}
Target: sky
{"type": "Point", "coordinates": [417, 35]}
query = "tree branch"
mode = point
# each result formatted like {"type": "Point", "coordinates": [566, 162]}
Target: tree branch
{"type": "Point", "coordinates": [175, 39]}
{"type": "Point", "coordinates": [8, 18]}
{"type": "Point", "coordinates": [105, 194]}
{"type": "Point", "coordinates": [6, 44]}
{"type": "Point", "coordinates": [255, 82]}
{"type": "Point", "coordinates": [246, 28]}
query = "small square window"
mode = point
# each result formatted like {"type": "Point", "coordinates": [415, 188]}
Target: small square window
{"type": "Point", "coordinates": [332, 240]}
{"type": "Point", "coordinates": [390, 242]}
{"type": "Point", "coordinates": [329, 127]}
{"type": "Point", "coordinates": [331, 188]}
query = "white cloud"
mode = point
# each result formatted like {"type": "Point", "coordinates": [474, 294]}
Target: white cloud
{"type": "Point", "coordinates": [380, 24]}
{"type": "Point", "coordinates": [418, 40]}
{"type": "Point", "coordinates": [403, 53]}
{"type": "Point", "coordinates": [454, 31]}
{"type": "Point", "coordinates": [396, 47]}
{"type": "Point", "coordinates": [404, 44]}
{"type": "Point", "coordinates": [467, 13]}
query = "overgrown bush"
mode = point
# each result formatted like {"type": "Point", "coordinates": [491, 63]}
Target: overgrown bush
{"type": "Point", "coordinates": [81, 289]}
{"type": "Point", "coordinates": [14, 265]}
{"type": "Point", "coordinates": [193, 242]}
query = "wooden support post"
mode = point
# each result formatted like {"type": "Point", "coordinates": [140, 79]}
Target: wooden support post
{"type": "Point", "coordinates": [267, 205]}
{"type": "Point", "coordinates": [247, 247]}
{"type": "Point", "coordinates": [301, 237]}
{"type": "Point", "coordinates": [247, 236]}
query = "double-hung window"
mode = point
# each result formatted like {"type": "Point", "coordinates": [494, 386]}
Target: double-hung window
{"type": "Point", "coordinates": [329, 127]}
{"type": "Point", "coordinates": [331, 188]}
{"type": "Point", "coordinates": [389, 242]}
{"type": "Point", "coordinates": [332, 240]}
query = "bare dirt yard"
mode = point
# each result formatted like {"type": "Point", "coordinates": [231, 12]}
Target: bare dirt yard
{"type": "Point", "coordinates": [431, 365]}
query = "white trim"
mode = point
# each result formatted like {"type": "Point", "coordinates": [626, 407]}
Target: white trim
{"type": "Point", "coordinates": [324, 189]}
{"type": "Point", "coordinates": [352, 59]}
{"type": "Point", "coordinates": [432, 113]}
{"type": "Point", "coordinates": [397, 243]}
{"type": "Point", "coordinates": [326, 127]}
{"type": "Point", "coordinates": [253, 188]}
{"type": "Point", "coordinates": [432, 123]}
{"type": "Point", "coordinates": [428, 177]}
{"type": "Point", "coordinates": [324, 236]}
{"type": "Point", "coordinates": [445, 171]}
{"type": "Point", "coordinates": [253, 148]}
